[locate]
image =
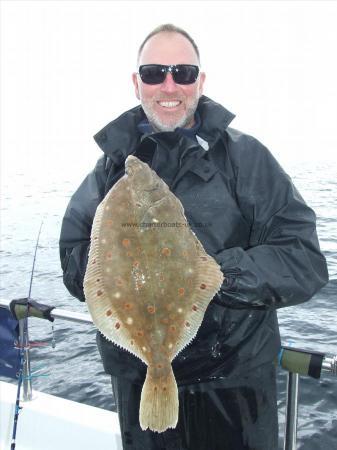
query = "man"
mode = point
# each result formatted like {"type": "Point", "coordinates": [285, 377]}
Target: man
{"type": "Point", "coordinates": [248, 216]}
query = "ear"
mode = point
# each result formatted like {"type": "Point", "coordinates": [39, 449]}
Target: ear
{"type": "Point", "coordinates": [135, 83]}
{"type": "Point", "coordinates": [202, 78]}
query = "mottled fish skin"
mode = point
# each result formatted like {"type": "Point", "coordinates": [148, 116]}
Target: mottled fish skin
{"type": "Point", "coordinates": [148, 285]}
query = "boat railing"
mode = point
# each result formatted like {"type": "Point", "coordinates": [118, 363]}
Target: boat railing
{"type": "Point", "coordinates": [295, 361]}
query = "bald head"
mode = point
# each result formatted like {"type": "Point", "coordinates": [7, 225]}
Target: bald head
{"type": "Point", "coordinates": [168, 48]}
{"type": "Point", "coordinates": [167, 29]}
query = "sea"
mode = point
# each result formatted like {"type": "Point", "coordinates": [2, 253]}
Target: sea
{"type": "Point", "coordinates": [73, 369]}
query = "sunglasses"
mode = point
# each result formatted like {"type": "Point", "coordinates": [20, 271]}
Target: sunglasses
{"type": "Point", "coordinates": [156, 73]}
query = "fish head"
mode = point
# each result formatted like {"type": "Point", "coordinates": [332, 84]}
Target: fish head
{"type": "Point", "coordinates": [146, 184]}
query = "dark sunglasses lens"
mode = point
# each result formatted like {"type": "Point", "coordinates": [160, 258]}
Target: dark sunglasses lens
{"type": "Point", "coordinates": [152, 74]}
{"type": "Point", "coordinates": [185, 74]}
{"type": "Point", "coordinates": [156, 74]}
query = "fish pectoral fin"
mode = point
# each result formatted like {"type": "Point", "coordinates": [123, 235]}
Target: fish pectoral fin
{"type": "Point", "coordinates": [159, 404]}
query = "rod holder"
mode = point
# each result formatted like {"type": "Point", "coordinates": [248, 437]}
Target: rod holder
{"type": "Point", "coordinates": [26, 372]}
{"type": "Point", "coordinates": [290, 432]}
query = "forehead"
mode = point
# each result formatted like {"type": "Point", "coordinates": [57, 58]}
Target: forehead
{"type": "Point", "coordinates": [168, 48]}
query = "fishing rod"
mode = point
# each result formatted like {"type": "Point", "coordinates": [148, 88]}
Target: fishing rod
{"type": "Point", "coordinates": [23, 344]}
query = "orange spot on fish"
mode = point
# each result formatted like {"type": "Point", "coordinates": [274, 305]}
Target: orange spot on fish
{"type": "Point", "coordinates": [109, 222]}
{"type": "Point", "coordinates": [109, 255]}
{"type": "Point", "coordinates": [164, 388]}
{"type": "Point", "coordinates": [203, 286]}
{"type": "Point", "coordinates": [128, 253]}
{"type": "Point", "coordinates": [187, 324]}
{"type": "Point", "coordinates": [173, 328]}
{"type": "Point", "coordinates": [128, 306]}
{"type": "Point", "coordinates": [108, 313]}
{"type": "Point", "coordinates": [117, 325]}
{"type": "Point", "coordinates": [165, 321]}
{"type": "Point", "coordinates": [135, 263]}
{"type": "Point", "coordinates": [161, 277]}
{"type": "Point", "coordinates": [126, 242]}
{"type": "Point", "coordinates": [140, 333]}
{"type": "Point", "coordinates": [151, 309]}
{"type": "Point", "coordinates": [159, 366]}
{"type": "Point", "coordinates": [94, 261]}
{"type": "Point", "coordinates": [99, 293]}
{"type": "Point", "coordinates": [166, 251]}
{"type": "Point", "coordinates": [194, 308]}
{"type": "Point", "coordinates": [119, 281]}
{"type": "Point", "coordinates": [181, 291]}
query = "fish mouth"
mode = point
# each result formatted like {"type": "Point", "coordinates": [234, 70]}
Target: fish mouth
{"type": "Point", "coordinates": [132, 165]}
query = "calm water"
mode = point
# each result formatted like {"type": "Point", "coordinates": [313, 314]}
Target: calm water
{"type": "Point", "coordinates": [74, 368]}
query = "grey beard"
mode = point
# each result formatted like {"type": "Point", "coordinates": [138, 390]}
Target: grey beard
{"type": "Point", "coordinates": [157, 125]}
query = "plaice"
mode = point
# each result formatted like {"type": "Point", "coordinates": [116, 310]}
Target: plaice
{"type": "Point", "coordinates": [148, 282]}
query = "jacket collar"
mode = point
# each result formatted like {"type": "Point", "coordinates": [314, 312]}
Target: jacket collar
{"type": "Point", "coordinates": [120, 137]}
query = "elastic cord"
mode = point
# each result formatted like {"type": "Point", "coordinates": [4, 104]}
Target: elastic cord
{"type": "Point", "coordinates": [280, 356]}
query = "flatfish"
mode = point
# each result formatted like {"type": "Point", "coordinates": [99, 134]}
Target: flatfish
{"type": "Point", "coordinates": [148, 282]}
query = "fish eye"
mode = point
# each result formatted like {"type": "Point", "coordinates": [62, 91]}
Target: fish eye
{"type": "Point", "coordinates": [153, 188]}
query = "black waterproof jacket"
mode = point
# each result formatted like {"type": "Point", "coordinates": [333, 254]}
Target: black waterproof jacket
{"type": "Point", "coordinates": [248, 215]}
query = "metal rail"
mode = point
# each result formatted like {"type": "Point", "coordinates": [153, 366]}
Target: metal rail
{"type": "Point", "coordinates": [295, 361]}
{"type": "Point", "coordinates": [70, 315]}
{"type": "Point", "coordinates": [290, 427]}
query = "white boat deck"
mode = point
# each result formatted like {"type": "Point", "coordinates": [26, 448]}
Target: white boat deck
{"type": "Point", "coordinates": [52, 423]}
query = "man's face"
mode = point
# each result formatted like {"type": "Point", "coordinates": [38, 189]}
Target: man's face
{"type": "Point", "coordinates": [169, 48]}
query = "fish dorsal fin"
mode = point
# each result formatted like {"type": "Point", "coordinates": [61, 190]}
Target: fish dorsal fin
{"type": "Point", "coordinates": [103, 310]}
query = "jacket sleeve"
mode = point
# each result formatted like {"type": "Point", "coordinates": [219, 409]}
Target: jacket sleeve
{"type": "Point", "coordinates": [76, 228]}
{"type": "Point", "coordinates": [282, 264]}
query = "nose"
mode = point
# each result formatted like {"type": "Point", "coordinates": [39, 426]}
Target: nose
{"type": "Point", "coordinates": [168, 85]}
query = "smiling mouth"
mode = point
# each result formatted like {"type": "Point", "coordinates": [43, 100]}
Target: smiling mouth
{"type": "Point", "coordinates": [170, 104]}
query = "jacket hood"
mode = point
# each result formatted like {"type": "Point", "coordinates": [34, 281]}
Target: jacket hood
{"type": "Point", "coordinates": [120, 137]}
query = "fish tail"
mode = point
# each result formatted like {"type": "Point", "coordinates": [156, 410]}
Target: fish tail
{"type": "Point", "coordinates": [159, 404]}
